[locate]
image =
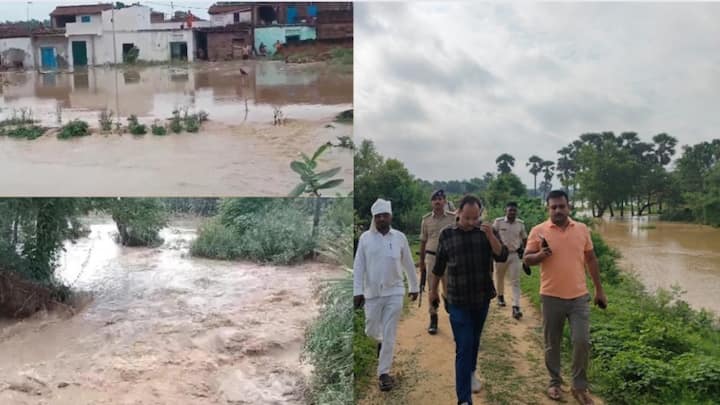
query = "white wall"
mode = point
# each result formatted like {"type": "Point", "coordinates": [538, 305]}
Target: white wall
{"type": "Point", "coordinates": [94, 27]}
{"type": "Point", "coordinates": [228, 18]}
{"type": "Point", "coordinates": [24, 44]}
{"type": "Point", "coordinates": [153, 45]}
{"type": "Point", "coordinates": [127, 19]}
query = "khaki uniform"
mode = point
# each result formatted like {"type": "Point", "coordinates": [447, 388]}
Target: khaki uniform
{"type": "Point", "coordinates": [430, 233]}
{"type": "Point", "coordinates": [512, 235]}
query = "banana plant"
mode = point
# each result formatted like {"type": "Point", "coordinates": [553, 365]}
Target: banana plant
{"type": "Point", "coordinates": [312, 182]}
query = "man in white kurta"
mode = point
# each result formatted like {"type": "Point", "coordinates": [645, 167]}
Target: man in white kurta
{"type": "Point", "coordinates": [383, 254]}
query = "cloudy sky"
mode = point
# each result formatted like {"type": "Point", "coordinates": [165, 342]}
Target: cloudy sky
{"type": "Point", "coordinates": [16, 10]}
{"type": "Point", "coordinates": [447, 87]}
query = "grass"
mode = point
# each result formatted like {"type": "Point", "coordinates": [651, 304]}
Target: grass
{"type": "Point", "coordinates": [647, 348]}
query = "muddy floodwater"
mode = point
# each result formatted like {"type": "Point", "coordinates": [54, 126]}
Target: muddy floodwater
{"type": "Point", "coordinates": [238, 152]}
{"type": "Point", "coordinates": [164, 328]}
{"type": "Point", "coordinates": [664, 254]}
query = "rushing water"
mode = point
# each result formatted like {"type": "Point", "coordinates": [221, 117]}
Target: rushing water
{"type": "Point", "coordinates": [164, 328]}
{"type": "Point", "coordinates": [664, 254]}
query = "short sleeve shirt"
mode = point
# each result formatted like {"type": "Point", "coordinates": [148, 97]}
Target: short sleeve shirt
{"type": "Point", "coordinates": [511, 233]}
{"type": "Point", "coordinates": [431, 226]}
{"type": "Point", "coordinates": [562, 275]}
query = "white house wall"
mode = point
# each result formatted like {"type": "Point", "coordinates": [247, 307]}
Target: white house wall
{"type": "Point", "coordinates": [153, 45]}
{"type": "Point", "coordinates": [23, 44]}
{"type": "Point", "coordinates": [127, 19]}
{"type": "Point", "coordinates": [228, 18]}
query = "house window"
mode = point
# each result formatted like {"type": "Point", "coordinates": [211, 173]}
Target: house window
{"type": "Point", "coordinates": [236, 18]}
{"type": "Point", "coordinates": [85, 18]}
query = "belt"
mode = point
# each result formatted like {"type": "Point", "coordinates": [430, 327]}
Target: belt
{"type": "Point", "coordinates": [430, 252]}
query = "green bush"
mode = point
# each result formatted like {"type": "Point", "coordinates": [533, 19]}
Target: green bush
{"type": "Point", "coordinates": [135, 127]}
{"type": "Point", "coordinates": [329, 345]}
{"type": "Point", "coordinates": [216, 241]}
{"type": "Point", "coordinates": [176, 122]}
{"type": "Point", "coordinates": [73, 129]}
{"type": "Point", "coordinates": [158, 129]}
{"type": "Point", "coordinates": [132, 55]}
{"type": "Point", "coordinates": [139, 220]}
{"type": "Point", "coordinates": [192, 123]}
{"type": "Point", "coordinates": [23, 131]}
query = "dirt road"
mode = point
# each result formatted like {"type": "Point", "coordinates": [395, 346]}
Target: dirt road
{"type": "Point", "coordinates": [511, 365]}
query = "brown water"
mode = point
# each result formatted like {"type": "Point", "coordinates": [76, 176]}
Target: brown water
{"type": "Point", "coordinates": [239, 152]}
{"type": "Point", "coordinates": [686, 255]}
{"type": "Point", "coordinates": [309, 92]}
{"type": "Point", "coordinates": [164, 328]}
{"type": "Point", "coordinates": [221, 160]}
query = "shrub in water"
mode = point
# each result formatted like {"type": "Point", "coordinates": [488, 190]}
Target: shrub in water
{"type": "Point", "coordinates": [280, 236]}
{"type": "Point", "coordinates": [105, 120]}
{"type": "Point", "coordinates": [158, 129]}
{"type": "Point", "coordinates": [73, 129]}
{"type": "Point", "coordinates": [216, 241]}
{"type": "Point", "coordinates": [192, 123]}
{"type": "Point", "coordinates": [135, 127]}
{"type": "Point", "coordinates": [27, 132]}
{"type": "Point", "coordinates": [176, 122]}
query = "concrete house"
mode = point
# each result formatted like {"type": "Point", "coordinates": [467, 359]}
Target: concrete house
{"type": "Point", "coordinates": [15, 48]}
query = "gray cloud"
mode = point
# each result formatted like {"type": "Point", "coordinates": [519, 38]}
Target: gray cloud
{"type": "Point", "coordinates": [447, 87]}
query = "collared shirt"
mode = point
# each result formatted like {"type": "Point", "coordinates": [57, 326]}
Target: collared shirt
{"type": "Point", "coordinates": [379, 264]}
{"type": "Point", "coordinates": [511, 233]}
{"type": "Point", "coordinates": [431, 226]}
{"type": "Point", "coordinates": [562, 274]}
{"type": "Point", "coordinates": [468, 257]}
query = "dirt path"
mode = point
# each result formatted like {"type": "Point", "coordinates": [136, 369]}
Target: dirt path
{"type": "Point", "coordinates": [510, 365]}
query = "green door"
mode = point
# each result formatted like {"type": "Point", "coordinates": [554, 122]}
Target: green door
{"type": "Point", "coordinates": [79, 51]}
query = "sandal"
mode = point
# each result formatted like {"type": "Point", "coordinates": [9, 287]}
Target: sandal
{"type": "Point", "coordinates": [554, 393]}
{"type": "Point", "coordinates": [582, 397]}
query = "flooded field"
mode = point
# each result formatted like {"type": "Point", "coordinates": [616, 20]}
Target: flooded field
{"type": "Point", "coordinates": [164, 328]}
{"type": "Point", "coordinates": [664, 254]}
{"type": "Point", "coordinates": [238, 152]}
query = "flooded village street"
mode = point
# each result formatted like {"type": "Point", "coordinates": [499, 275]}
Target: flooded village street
{"type": "Point", "coordinates": [164, 328]}
{"type": "Point", "coordinates": [663, 254]}
{"type": "Point", "coordinates": [238, 151]}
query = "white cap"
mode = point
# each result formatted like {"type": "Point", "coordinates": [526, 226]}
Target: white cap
{"type": "Point", "coordinates": [381, 207]}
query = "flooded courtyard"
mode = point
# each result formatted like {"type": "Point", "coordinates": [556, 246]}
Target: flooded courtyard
{"type": "Point", "coordinates": [238, 152]}
{"type": "Point", "coordinates": [663, 254]}
{"type": "Point", "coordinates": [164, 328]}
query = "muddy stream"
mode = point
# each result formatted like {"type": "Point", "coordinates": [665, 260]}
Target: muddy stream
{"type": "Point", "coordinates": [238, 152]}
{"type": "Point", "coordinates": [164, 328]}
{"type": "Point", "coordinates": [663, 254]}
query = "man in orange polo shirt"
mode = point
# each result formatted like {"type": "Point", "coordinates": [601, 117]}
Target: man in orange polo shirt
{"type": "Point", "coordinates": [563, 248]}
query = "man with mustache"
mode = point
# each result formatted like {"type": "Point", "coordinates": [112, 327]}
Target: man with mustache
{"type": "Point", "coordinates": [563, 249]}
{"type": "Point", "coordinates": [382, 255]}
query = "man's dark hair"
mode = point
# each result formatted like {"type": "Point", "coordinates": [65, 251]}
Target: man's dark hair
{"type": "Point", "coordinates": [511, 204]}
{"type": "Point", "coordinates": [469, 199]}
{"type": "Point", "coordinates": [556, 194]}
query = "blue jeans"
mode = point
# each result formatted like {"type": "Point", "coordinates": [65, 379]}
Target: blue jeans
{"type": "Point", "coordinates": [467, 326]}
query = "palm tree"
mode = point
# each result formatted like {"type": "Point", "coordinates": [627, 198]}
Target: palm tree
{"type": "Point", "coordinates": [547, 167]}
{"type": "Point", "coordinates": [312, 182]}
{"type": "Point", "coordinates": [505, 163]}
{"type": "Point", "coordinates": [535, 163]}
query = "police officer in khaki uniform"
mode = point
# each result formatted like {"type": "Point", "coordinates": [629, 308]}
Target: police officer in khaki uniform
{"type": "Point", "coordinates": [514, 236]}
{"type": "Point", "coordinates": [432, 224]}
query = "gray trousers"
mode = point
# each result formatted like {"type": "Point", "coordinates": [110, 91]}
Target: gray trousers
{"type": "Point", "coordinates": [577, 312]}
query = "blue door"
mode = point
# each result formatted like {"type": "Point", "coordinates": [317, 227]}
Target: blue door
{"type": "Point", "coordinates": [48, 58]}
{"type": "Point", "coordinates": [291, 15]}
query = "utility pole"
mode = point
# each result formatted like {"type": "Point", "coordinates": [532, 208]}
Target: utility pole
{"type": "Point", "coordinates": [117, 95]}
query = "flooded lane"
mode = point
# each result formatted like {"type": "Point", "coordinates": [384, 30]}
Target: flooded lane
{"type": "Point", "coordinates": [664, 254]}
{"type": "Point", "coordinates": [219, 161]}
{"type": "Point", "coordinates": [164, 328]}
{"type": "Point", "coordinates": [232, 92]}
{"type": "Point", "coordinates": [238, 152]}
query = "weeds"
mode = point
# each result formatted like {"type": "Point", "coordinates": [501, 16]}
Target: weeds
{"type": "Point", "coordinates": [158, 129]}
{"type": "Point", "coordinates": [74, 129]}
{"type": "Point", "coordinates": [23, 131]}
{"type": "Point", "coordinates": [135, 127]}
{"type": "Point", "coordinates": [105, 120]}
{"type": "Point", "coordinates": [176, 122]}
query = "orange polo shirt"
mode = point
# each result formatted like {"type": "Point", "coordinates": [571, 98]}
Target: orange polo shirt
{"type": "Point", "coordinates": [562, 275]}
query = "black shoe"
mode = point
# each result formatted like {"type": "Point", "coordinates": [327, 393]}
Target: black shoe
{"type": "Point", "coordinates": [386, 382]}
{"type": "Point", "coordinates": [432, 329]}
{"type": "Point", "coordinates": [516, 313]}
{"type": "Point", "coordinates": [501, 301]}
{"type": "Point", "coordinates": [379, 348]}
